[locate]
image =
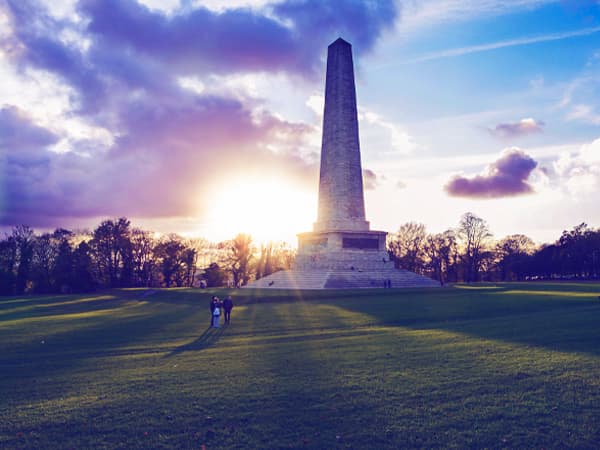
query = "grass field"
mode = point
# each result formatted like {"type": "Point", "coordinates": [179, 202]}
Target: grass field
{"type": "Point", "coordinates": [502, 366]}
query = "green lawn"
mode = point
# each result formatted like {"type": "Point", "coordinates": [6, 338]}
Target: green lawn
{"type": "Point", "coordinates": [495, 366]}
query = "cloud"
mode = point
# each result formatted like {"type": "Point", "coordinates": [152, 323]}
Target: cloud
{"type": "Point", "coordinates": [584, 113]}
{"type": "Point", "coordinates": [503, 44]}
{"type": "Point", "coordinates": [370, 179]}
{"type": "Point", "coordinates": [161, 167]}
{"type": "Point", "coordinates": [575, 100]}
{"type": "Point", "coordinates": [375, 126]}
{"type": "Point", "coordinates": [151, 82]}
{"type": "Point", "coordinates": [579, 171]}
{"type": "Point", "coordinates": [17, 131]}
{"type": "Point", "coordinates": [239, 39]}
{"type": "Point", "coordinates": [429, 13]}
{"type": "Point", "coordinates": [506, 177]}
{"type": "Point", "coordinates": [316, 21]}
{"type": "Point", "coordinates": [520, 128]}
{"type": "Point", "coordinates": [401, 185]}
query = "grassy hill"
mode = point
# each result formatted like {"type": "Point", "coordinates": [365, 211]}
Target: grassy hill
{"type": "Point", "coordinates": [497, 366]}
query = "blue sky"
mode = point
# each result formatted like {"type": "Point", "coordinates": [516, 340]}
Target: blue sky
{"type": "Point", "coordinates": [204, 118]}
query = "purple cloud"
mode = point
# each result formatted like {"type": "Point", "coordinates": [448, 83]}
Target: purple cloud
{"type": "Point", "coordinates": [161, 166]}
{"type": "Point", "coordinates": [369, 179]}
{"type": "Point", "coordinates": [504, 178]}
{"type": "Point", "coordinates": [170, 144]}
{"type": "Point", "coordinates": [17, 131]}
{"type": "Point", "coordinates": [520, 128]}
{"type": "Point", "coordinates": [239, 40]}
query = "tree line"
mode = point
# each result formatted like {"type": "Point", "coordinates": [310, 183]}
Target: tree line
{"type": "Point", "coordinates": [468, 253]}
{"type": "Point", "coordinates": [115, 254]}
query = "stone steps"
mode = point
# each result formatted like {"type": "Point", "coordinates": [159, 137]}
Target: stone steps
{"type": "Point", "coordinates": [292, 279]}
{"type": "Point", "coordinates": [342, 279]}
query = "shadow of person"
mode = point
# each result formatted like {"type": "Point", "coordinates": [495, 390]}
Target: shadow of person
{"type": "Point", "coordinates": [209, 337]}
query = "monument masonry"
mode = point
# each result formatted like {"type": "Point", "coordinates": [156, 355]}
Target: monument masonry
{"type": "Point", "coordinates": [341, 251]}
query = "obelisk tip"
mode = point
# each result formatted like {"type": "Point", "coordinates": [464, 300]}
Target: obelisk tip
{"type": "Point", "coordinates": [340, 41]}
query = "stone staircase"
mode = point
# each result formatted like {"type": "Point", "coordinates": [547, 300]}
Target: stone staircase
{"type": "Point", "coordinates": [342, 279]}
{"type": "Point", "coordinates": [292, 279]}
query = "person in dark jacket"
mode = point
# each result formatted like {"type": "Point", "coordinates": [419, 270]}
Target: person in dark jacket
{"type": "Point", "coordinates": [227, 307]}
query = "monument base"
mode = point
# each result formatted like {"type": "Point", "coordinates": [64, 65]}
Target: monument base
{"type": "Point", "coordinates": [342, 250]}
{"type": "Point", "coordinates": [343, 260]}
{"type": "Point", "coordinates": [343, 279]}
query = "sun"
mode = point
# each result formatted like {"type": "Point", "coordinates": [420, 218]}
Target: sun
{"type": "Point", "coordinates": [268, 209]}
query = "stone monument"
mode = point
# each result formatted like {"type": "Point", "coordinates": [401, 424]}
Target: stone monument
{"type": "Point", "coordinates": [341, 251]}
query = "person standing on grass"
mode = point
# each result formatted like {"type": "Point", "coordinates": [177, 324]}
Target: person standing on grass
{"type": "Point", "coordinates": [227, 307]}
{"type": "Point", "coordinates": [216, 315]}
{"type": "Point", "coordinates": [214, 301]}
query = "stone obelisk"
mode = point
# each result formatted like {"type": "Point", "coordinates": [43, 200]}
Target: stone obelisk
{"type": "Point", "coordinates": [341, 251]}
{"type": "Point", "coordinates": [341, 199]}
{"type": "Point", "coordinates": [341, 239]}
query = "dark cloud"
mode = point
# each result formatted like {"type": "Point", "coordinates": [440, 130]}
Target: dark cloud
{"type": "Point", "coordinates": [316, 23]}
{"type": "Point", "coordinates": [171, 145]}
{"type": "Point", "coordinates": [18, 132]}
{"type": "Point", "coordinates": [504, 178]}
{"type": "Point", "coordinates": [239, 40]}
{"type": "Point", "coordinates": [515, 129]}
{"type": "Point", "coordinates": [370, 180]}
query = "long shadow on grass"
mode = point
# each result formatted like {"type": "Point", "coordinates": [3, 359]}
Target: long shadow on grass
{"type": "Point", "coordinates": [44, 346]}
{"type": "Point", "coordinates": [208, 338]}
{"type": "Point", "coordinates": [555, 316]}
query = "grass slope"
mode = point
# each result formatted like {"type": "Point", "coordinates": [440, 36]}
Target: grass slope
{"type": "Point", "coordinates": [505, 366]}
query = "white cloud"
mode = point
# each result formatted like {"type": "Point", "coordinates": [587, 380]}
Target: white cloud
{"type": "Point", "coordinates": [61, 9]}
{"type": "Point", "coordinates": [194, 84]}
{"type": "Point", "coordinates": [316, 103]}
{"type": "Point", "coordinates": [399, 140]}
{"type": "Point", "coordinates": [579, 172]}
{"type": "Point", "coordinates": [459, 51]}
{"type": "Point", "coordinates": [537, 83]}
{"type": "Point", "coordinates": [585, 113]}
{"type": "Point", "coordinates": [43, 95]}
{"type": "Point", "coordinates": [377, 134]}
{"type": "Point", "coordinates": [164, 6]}
{"type": "Point", "coordinates": [418, 14]}
{"type": "Point", "coordinates": [220, 5]}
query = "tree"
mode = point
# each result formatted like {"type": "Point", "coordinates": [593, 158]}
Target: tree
{"type": "Point", "coordinates": [441, 251]}
{"type": "Point", "coordinates": [407, 247]}
{"type": "Point", "coordinates": [111, 247]}
{"type": "Point", "coordinates": [577, 251]}
{"type": "Point", "coordinates": [142, 257]}
{"type": "Point", "coordinates": [240, 253]}
{"type": "Point", "coordinates": [190, 257]}
{"type": "Point", "coordinates": [24, 240]}
{"type": "Point", "coordinates": [214, 275]}
{"type": "Point", "coordinates": [171, 260]}
{"type": "Point", "coordinates": [8, 258]}
{"type": "Point", "coordinates": [513, 255]}
{"type": "Point", "coordinates": [264, 266]}
{"type": "Point", "coordinates": [64, 266]}
{"type": "Point", "coordinates": [474, 233]}
{"type": "Point", "coordinates": [45, 251]}
{"type": "Point", "coordinates": [83, 279]}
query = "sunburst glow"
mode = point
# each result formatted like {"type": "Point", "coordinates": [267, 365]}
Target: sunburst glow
{"type": "Point", "coordinates": [268, 210]}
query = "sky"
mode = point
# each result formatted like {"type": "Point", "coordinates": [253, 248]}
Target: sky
{"type": "Point", "coordinates": [204, 117]}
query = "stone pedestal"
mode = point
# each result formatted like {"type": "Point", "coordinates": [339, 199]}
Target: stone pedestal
{"type": "Point", "coordinates": [341, 251]}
